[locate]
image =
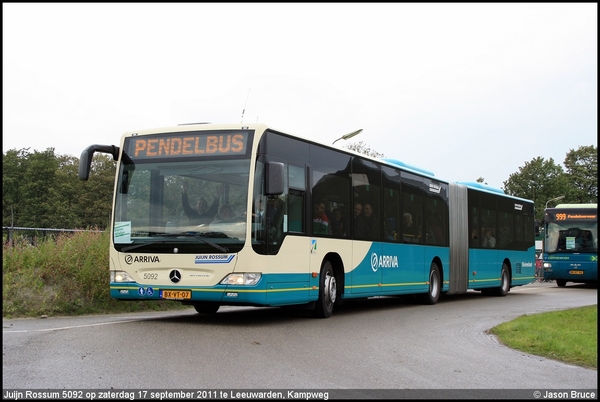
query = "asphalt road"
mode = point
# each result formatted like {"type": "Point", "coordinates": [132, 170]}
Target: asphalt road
{"type": "Point", "coordinates": [382, 343]}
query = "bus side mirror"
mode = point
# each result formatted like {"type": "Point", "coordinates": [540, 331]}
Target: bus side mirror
{"type": "Point", "coordinates": [274, 175]}
{"type": "Point", "coordinates": [85, 162]}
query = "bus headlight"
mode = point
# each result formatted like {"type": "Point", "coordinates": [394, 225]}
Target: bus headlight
{"type": "Point", "coordinates": [547, 266]}
{"type": "Point", "coordinates": [245, 279]}
{"type": "Point", "coordinates": [120, 276]}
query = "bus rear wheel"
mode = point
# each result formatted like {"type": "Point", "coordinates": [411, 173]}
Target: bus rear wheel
{"type": "Point", "coordinates": [206, 308]}
{"type": "Point", "coordinates": [504, 287]}
{"type": "Point", "coordinates": [327, 291]}
{"type": "Point", "coordinates": [435, 285]}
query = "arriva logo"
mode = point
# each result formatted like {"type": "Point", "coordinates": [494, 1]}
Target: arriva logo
{"type": "Point", "coordinates": [129, 259]}
{"type": "Point", "coordinates": [383, 261]}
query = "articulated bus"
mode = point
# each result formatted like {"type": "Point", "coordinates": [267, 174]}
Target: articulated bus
{"type": "Point", "coordinates": [571, 244]}
{"type": "Point", "coordinates": [293, 237]}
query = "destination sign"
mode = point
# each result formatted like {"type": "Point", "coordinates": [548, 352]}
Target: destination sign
{"type": "Point", "coordinates": [188, 144]}
{"type": "Point", "coordinates": [571, 215]}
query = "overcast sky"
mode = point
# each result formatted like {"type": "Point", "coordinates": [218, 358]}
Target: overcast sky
{"type": "Point", "coordinates": [462, 90]}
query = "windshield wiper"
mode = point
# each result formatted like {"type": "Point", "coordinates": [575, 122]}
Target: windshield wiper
{"type": "Point", "coordinates": [129, 248]}
{"type": "Point", "coordinates": [200, 236]}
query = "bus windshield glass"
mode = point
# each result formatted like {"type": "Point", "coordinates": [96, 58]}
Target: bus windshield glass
{"type": "Point", "coordinates": [567, 231]}
{"type": "Point", "coordinates": [185, 192]}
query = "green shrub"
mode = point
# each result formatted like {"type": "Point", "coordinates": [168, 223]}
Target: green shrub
{"type": "Point", "coordinates": [63, 275]}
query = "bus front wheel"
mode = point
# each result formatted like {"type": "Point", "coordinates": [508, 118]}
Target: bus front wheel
{"type": "Point", "coordinates": [561, 283]}
{"type": "Point", "coordinates": [206, 308]}
{"type": "Point", "coordinates": [327, 291]}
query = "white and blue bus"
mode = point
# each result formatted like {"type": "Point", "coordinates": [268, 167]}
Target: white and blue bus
{"type": "Point", "coordinates": [281, 227]}
{"type": "Point", "coordinates": [571, 244]}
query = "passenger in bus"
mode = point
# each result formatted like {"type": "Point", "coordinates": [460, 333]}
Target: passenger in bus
{"type": "Point", "coordinates": [504, 236]}
{"type": "Point", "coordinates": [358, 220]}
{"type": "Point", "coordinates": [338, 226]}
{"type": "Point", "coordinates": [202, 214]}
{"type": "Point", "coordinates": [409, 228]}
{"type": "Point", "coordinates": [389, 226]}
{"type": "Point", "coordinates": [371, 223]}
{"type": "Point", "coordinates": [259, 215]}
{"type": "Point", "coordinates": [320, 219]}
{"type": "Point", "coordinates": [488, 239]}
{"type": "Point", "coordinates": [225, 214]}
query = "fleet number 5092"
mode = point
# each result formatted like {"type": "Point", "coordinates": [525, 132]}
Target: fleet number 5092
{"type": "Point", "coordinates": [72, 394]}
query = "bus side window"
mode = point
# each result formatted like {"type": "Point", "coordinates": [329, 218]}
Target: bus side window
{"type": "Point", "coordinates": [295, 209]}
{"type": "Point", "coordinates": [562, 241]}
{"type": "Point", "coordinates": [274, 215]}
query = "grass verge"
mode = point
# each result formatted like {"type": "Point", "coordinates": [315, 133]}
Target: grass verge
{"type": "Point", "coordinates": [570, 336]}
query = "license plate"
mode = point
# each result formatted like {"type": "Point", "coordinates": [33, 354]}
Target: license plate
{"type": "Point", "coordinates": [576, 272]}
{"type": "Point", "coordinates": [176, 294]}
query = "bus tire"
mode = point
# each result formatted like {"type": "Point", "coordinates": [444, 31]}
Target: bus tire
{"type": "Point", "coordinates": [561, 283]}
{"type": "Point", "coordinates": [206, 308]}
{"type": "Point", "coordinates": [504, 287]}
{"type": "Point", "coordinates": [435, 286]}
{"type": "Point", "coordinates": [327, 291]}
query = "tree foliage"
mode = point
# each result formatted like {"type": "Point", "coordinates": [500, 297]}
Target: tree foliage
{"type": "Point", "coordinates": [541, 180]}
{"type": "Point", "coordinates": [41, 189]}
{"type": "Point", "coordinates": [582, 174]}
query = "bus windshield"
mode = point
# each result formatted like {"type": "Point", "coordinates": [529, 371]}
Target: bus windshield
{"type": "Point", "coordinates": [571, 231]}
{"type": "Point", "coordinates": [192, 203]}
{"type": "Point", "coordinates": [572, 237]}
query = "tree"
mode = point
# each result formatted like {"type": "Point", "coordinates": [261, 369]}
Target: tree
{"type": "Point", "coordinates": [12, 176]}
{"type": "Point", "coordinates": [65, 193]}
{"type": "Point", "coordinates": [541, 180]}
{"type": "Point", "coordinates": [95, 202]}
{"type": "Point", "coordinates": [42, 190]}
{"type": "Point", "coordinates": [582, 173]}
{"type": "Point", "coordinates": [35, 208]}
